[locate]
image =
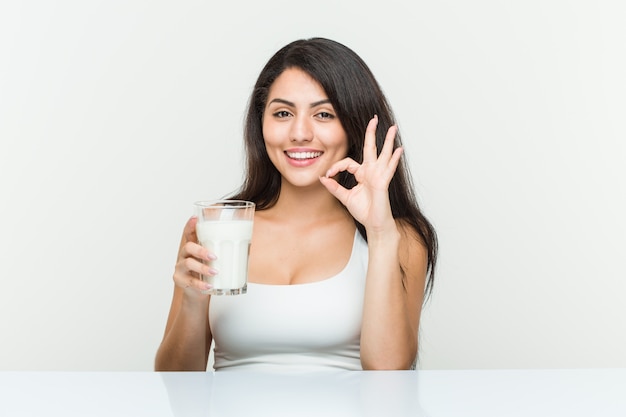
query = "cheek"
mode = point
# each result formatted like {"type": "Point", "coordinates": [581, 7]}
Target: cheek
{"type": "Point", "coordinates": [271, 135]}
{"type": "Point", "coordinates": [264, 130]}
{"type": "Point", "coordinates": [346, 146]}
{"type": "Point", "coordinates": [342, 145]}
{"type": "Point", "coordinates": [272, 147]}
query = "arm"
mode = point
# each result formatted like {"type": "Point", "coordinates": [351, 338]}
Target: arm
{"type": "Point", "coordinates": [394, 294]}
{"type": "Point", "coordinates": [397, 260]}
{"type": "Point", "coordinates": [187, 338]}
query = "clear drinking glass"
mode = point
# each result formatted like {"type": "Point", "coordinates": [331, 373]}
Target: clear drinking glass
{"type": "Point", "coordinates": [225, 228]}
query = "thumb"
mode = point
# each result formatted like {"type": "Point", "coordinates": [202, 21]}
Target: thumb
{"type": "Point", "coordinates": [189, 233]}
{"type": "Point", "coordinates": [336, 189]}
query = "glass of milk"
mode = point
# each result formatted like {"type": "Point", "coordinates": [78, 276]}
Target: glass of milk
{"type": "Point", "coordinates": [225, 228]}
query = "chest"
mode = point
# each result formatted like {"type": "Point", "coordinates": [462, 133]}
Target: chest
{"type": "Point", "coordinates": [287, 256]}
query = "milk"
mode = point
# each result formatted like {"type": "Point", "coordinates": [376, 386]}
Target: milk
{"type": "Point", "coordinates": [229, 240]}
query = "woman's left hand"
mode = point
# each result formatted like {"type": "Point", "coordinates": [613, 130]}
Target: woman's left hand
{"type": "Point", "coordinates": [368, 201]}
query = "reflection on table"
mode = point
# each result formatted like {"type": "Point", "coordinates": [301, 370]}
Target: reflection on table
{"type": "Point", "coordinates": [344, 393]}
{"type": "Point", "coordinates": [536, 393]}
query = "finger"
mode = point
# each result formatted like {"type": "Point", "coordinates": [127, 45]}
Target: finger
{"type": "Point", "coordinates": [193, 249]}
{"type": "Point", "coordinates": [189, 271]}
{"type": "Point", "coordinates": [194, 267]}
{"type": "Point", "coordinates": [190, 266]}
{"type": "Point", "coordinates": [369, 146]}
{"type": "Point", "coordinates": [387, 150]}
{"type": "Point", "coordinates": [335, 189]}
{"type": "Point", "coordinates": [346, 164]}
{"type": "Point", "coordinates": [189, 281]}
{"type": "Point", "coordinates": [394, 161]}
{"type": "Point", "coordinates": [189, 232]}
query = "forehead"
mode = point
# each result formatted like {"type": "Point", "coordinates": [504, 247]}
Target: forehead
{"type": "Point", "coordinates": [295, 83]}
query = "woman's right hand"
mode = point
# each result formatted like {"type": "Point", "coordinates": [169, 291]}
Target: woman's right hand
{"type": "Point", "coordinates": [191, 263]}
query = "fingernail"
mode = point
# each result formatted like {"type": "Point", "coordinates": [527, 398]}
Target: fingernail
{"type": "Point", "coordinates": [207, 286]}
{"type": "Point", "coordinates": [213, 271]}
{"type": "Point", "coordinates": [211, 256]}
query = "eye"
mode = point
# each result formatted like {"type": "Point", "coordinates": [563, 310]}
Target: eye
{"type": "Point", "coordinates": [325, 115]}
{"type": "Point", "coordinates": [281, 114]}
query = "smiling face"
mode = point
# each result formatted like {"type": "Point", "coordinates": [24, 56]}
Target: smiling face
{"type": "Point", "coordinates": [303, 136]}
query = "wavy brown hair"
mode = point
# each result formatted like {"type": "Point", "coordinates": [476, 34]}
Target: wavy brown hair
{"type": "Point", "coordinates": [356, 97]}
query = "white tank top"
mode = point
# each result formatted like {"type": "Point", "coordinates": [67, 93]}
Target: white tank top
{"type": "Point", "coordinates": [301, 327]}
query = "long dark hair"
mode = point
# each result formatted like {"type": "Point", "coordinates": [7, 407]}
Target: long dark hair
{"type": "Point", "coordinates": [356, 97]}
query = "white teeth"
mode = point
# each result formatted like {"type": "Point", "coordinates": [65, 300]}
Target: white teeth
{"type": "Point", "coordinates": [303, 155]}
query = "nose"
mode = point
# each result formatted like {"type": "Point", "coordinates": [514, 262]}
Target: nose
{"type": "Point", "coordinates": [301, 129]}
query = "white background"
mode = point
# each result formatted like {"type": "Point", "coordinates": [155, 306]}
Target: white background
{"type": "Point", "coordinates": [116, 115]}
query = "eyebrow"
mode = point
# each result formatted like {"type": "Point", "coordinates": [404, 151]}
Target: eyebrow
{"type": "Point", "coordinates": [289, 103]}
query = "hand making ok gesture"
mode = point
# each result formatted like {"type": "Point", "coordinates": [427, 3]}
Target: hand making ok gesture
{"type": "Point", "coordinates": [368, 201]}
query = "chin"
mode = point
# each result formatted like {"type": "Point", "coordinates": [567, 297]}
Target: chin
{"type": "Point", "coordinates": [302, 183]}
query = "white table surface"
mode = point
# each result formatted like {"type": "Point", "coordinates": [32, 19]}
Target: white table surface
{"type": "Point", "coordinates": [568, 392]}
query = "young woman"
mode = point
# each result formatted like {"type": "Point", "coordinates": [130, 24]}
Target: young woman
{"type": "Point", "coordinates": [341, 256]}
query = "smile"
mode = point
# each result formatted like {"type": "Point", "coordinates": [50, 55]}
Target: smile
{"type": "Point", "coordinates": [303, 155]}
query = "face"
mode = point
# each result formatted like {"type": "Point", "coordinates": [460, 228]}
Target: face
{"type": "Point", "coordinates": [303, 136]}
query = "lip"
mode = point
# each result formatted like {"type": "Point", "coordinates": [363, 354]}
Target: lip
{"type": "Point", "coordinates": [302, 157]}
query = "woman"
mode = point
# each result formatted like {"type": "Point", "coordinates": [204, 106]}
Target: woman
{"type": "Point", "coordinates": [341, 256]}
